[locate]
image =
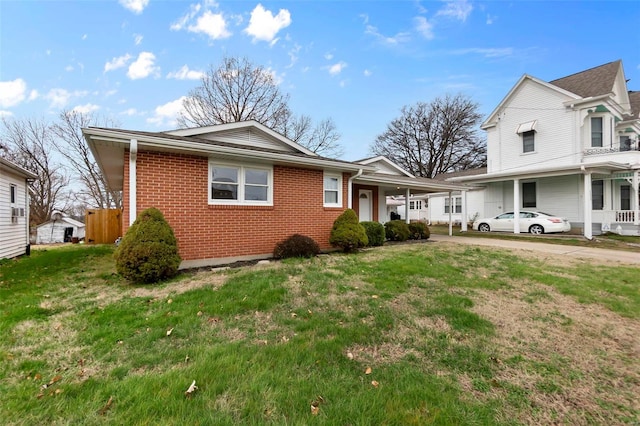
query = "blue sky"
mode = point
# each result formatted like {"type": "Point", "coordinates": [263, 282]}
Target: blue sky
{"type": "Point", "coordinates": [357, 62]}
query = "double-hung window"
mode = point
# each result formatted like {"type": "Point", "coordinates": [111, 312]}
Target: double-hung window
{"type": "Point", "coordinates": [236, 184]}
{"type": "Point", "coordinates": [457, 203]}
{"type": "Point", "coordinates": [415, 205]}
{"type": "Point", "coordinates": [596, 132]}
{"type": "Point", "coordinates": [528, 194]}
{"type": "Point", "coordinates": [528, 141]}
{"type": "Point", "coordinates": [597, 195]}
{"type": "Point", "coordinates": [332, 190]}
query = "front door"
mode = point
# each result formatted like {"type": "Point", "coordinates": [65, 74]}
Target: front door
{"type": "Point", "coordinates": [365, 205]}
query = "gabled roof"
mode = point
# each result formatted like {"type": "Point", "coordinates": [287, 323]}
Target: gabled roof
{"type": "Point", "coordinates": [387, 164]}
{"type": "Point", "coordinates": [468, 172]}
{"type": "Point", "coordinates": [6, 164]}
{"type": "Point", "coordinates": [66, 219]}
{"type": "Point", "coordinates": [634, 98]}
{"type": "Point", "coordinates": [592, 82]}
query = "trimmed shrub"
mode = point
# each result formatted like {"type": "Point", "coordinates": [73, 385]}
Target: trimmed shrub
{"type": "Point", "coordinates": [148, 251]}
{"type": "Point", "coordinates": [296, 246]}
{"type": "Point", "coordinates": [347, 233]}
{"type": "Point", "coordinates": [375, 233]}
{"type": "Point", "coordinates": [396, 230]}
{"type": "Point", "coordinates": [419, 231]}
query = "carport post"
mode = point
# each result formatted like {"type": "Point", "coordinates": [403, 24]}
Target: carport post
{"type": "Point", "coordinates": [406, 205]}
{"type": "Point", "coordinates": [464, 211]}
{"type": "Point", "coordinates": [516, 206]}
{"type": "Point", "coordinates": [451, 207]}
{"type": "Point", "coordinates": [588, 205]}
{"type": "Point", "coordinates": [636, 195]}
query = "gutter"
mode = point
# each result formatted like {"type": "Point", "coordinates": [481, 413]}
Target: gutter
{"type": "Point", "coordinates": [350, 187]}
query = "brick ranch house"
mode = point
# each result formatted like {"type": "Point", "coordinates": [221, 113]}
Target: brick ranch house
{"type": "Point", "coordinates": [231, 192]}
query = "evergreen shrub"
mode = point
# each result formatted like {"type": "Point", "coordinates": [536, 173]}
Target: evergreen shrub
{"type": "Point", "coordinates": [347, 233]}
{"type": "Point", "coordinates": [396, 230]}
{"type": "Point", "coordinates": [148, 251]}
{"type": "Point", "coordinates": [419, 231]}
{"type": "Point", "coordinates": [296, 245]}
{"type": "Point", "coordinates": [375, 233]}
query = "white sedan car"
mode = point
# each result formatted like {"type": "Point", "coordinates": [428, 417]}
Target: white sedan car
{"type": "Point", "coordinates": [533, 222]}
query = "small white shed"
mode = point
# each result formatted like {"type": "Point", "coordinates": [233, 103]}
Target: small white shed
{"type": "Point", "coordinates": [60, 229]}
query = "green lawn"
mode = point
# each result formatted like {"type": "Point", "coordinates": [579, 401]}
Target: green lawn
{"type": "Point", "coordinates": [406, 334]}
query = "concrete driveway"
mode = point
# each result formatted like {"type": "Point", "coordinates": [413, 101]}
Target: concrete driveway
{"type": "Point", "coordinates": [602, 255]}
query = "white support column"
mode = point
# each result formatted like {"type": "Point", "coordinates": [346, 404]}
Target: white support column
{"type": "Point", "coordinates": [588, 221]}
{"type": "Point", "coordinates": [516, 206]}
{"type": "Point", "coordinates": [133, 155]}
{"type": "Point", "coordinates": [635, 188]}
{"type": "Point", "coordinates": [451, 207]}
{"type": "Point", "coordinates": [464, 211]}
{"type": "Point", "coordinates": [406, 205]}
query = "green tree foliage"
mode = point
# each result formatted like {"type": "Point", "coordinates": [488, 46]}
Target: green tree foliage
{"type": "Point", "coordinates": [347, 233]}
{"type": "Point", "coordinates": [375, 233]}
{"type": "Point", "coordinates": [296, 246]}
{"type": "Point", "coordinates": [396, 230]}
{"type": "Point", "coordinates": [149, 250]}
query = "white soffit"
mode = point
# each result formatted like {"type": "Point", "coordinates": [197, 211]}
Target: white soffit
{"type": "Point", "coordinates": [526, 127]}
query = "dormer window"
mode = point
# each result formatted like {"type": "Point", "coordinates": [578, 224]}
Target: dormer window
{"type": "Point", "coordinates": [596, 132]}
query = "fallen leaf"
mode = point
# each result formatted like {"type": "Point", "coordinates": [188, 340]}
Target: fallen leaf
{"type": "Point", "coordinates": [186, 358]}
{"type": "Point", "coordinates": [315, 410]}
{"type": "Point", "coordinates": [293, 315]}
{"type": "Point", "coordinates": [170, 301]}
{"type": "Point", "coordinates": [106, 406]}
{"type": "Point", "coordinates": [285, 339]}
{"type": "Point", "coordinates": [367, 371]}
{"type": "Point", "coordinates": [169, 331]}
{"type": "Point", "coordinates": [310, 313]}
{"type": "Point", "coordinates": [349, 355]}
{"type": "Point", "coordinates": [199, 313]}
{"type": "Point", "coordinates": [37, 376]}
{"type": "Point", "coordinates": [375, 296]}
{"type": "Point", "coordinates": [191, 389]}
{"type": "Point", "coordinates": [375, 383]}
{"type": "Point", "coordinates": [58, 391]}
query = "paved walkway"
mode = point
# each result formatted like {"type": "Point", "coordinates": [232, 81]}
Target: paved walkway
{"type": "Point", "coordinates": [605, 255]}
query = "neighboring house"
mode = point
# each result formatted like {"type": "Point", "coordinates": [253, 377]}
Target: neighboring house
{"type": "Point", "coordinates": [418, 207]}
{"type": "Point", "coordinates": [60, 229]}
{"type": "Point", "coordinates": [233, 191]}
{"type": "Point", "coordinates": [445, 207]}
{"type": "Point", "coordinates": [568, 147]}
{"type": "Point", "coordinates": [14, 209]}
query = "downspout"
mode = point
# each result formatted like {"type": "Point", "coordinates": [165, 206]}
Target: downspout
{"type": "Point", "coordinates": [27, 216]}
{"type": "Point", "coordinates": [350, 188]}
{"type": "Point", "coordinates": [133, 155]}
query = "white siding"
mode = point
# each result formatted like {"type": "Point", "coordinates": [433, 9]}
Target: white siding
{"type": "Point", "coordinates": [560, 196]}
{"type": "Point", "coordinates": [385, 168]}
{"type": "Point", "coordinates": [248, 137]}
{"type": "Point", "coordinates": [13, 236]}
{"type": "Point", "coordinates": [555, 131]}
{"type": "Point", "coordinates": [475, 204]}
{"type": "Point", "coordinates": [53, 232]}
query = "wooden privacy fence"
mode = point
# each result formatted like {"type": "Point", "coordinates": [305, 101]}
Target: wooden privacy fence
{"type": "Point", "coordinates": [103, 226]}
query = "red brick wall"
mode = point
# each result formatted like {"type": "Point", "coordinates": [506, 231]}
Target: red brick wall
{"type": "Point", "coordinates": [178, 185]}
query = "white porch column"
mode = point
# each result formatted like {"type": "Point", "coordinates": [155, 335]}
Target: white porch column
{"type": "Point", "coordinates": [588, 220]}
{"type": "Point", "coordinates": [133, 154]}
{"type": "Point", "coordinates": [406, 205]}
{"type": "Point", "coordinates": [464, 211]}
{"type": "Point", "coordinates": [451, 207]}
{"type": "Point", "coordinates": [635, 188]}
{"type": "Point", "coordinates": [516, 206]}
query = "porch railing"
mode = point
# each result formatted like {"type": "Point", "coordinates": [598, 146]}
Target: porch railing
{"type": "Point", "coordinates": [625, 216]}
{"type": "Point", "coordinates": [614, 216]}
{"type": "Point", "coordinates": [624, 147]}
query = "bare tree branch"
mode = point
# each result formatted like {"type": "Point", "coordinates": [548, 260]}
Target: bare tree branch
{"type": "Point", "coordinates": [438, 137]}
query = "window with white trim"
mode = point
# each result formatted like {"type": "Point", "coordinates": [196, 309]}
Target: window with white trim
{"type": "Point", "coordinates": [528, 141]}
{"type": "Point", "coordinates": [597, 131]}
{"type": "Point", "coordinates": [238, 184]}
{"type": "Point", "coordinates": [332, 190]}
{"type": "Point", "coordinates": [597, 195]}
{"type": "Point", "coordinates": [415, 205]}
{"type": "Point", "coordinates": [457, 203]}
{"type": "Point", "coordinates": [529, 194]}
{"type": "Point", "coordinates": [12, 193]}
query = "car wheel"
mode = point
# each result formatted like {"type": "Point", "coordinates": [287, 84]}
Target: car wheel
{"type": "Point", "coordinates": [483, 227]}
{"type": "Point", "coordinates": [536, 229]}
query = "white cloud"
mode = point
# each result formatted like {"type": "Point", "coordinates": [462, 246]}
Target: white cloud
{"type": "Point", "coordinates": [137, 39]}
{"type": "Point", "coordinates": [180, 23]}
{"type": "Point", "coordinates": [367, 73]}
{"type": "Point", "coordinates": [457, 9]}
{"type": "Point", "coordinates": [33, 95]}
{"type": "Point", "coordinates": [135, 6]}
{"type": "Point", "coordinates": [211, 24]}
{"type": "Point", "coordinates": [496, 52]}
{"type": "Point", "coordinates": [86, 108]}
{"type": "Point", "coordinates": [84, 36]}
{"type": "Point", "coordinates": [343, 83]}
{"type": "Point", "coordinates": [328, 56]}
{"type": "Point", "coordinates": [490, 19]}
{"type": "Point", "coordinates": [424, 27]}
{"type": "Point", "coordinates": [185, 73]}
{"type": "Point", "coordinates": [59, 98]}
{"type": "Point", "coordinates": [12, 92]}
{"type": "Point", "coordinates": [143, 67]}
{"type": "Point", "coordinates": [390, 41]}
{"type": "Point", "coordinates": [117, 62]}
{"type": "Point", "coordinates": [293, 55]}
{"type": "Point", "coordinates": [5, 113]}
{"type": "Point", "coordinates": [68, 68]}
{"type": "Point", "coordinates": [337, 68]}
{"type": "Point", "coordinates": [167, 114]}
{"type": "Point", "coordinates": [263, 26]}
{"type": "Point", "coordinates": [130, 112]}
{"type": "Point", "coordinates": [110, 93]}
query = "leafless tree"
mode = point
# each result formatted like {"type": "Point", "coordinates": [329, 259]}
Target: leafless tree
{"type": "Point", "coordinates": [92, 189]}
{"type": "Point", "coordinates": [437, 137]}
{"type": "Point", "coordinates": [29, 144]}
{"type": "Point", "coordinates": [239, 90]}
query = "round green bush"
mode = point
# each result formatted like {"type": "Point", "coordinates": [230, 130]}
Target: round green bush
{"type": "Point", "coordinates": [419, 231]}
{"type": "Point", "coordinates": [396, 230]}
{"type": "Point", "coordinates": [375, 233]}
{"type": "Point", "coordinates": [296, 246]}
{"type": "Point", "coordinates": [347, 233]}
{"type": "Point", "coordinates": [148, 251]}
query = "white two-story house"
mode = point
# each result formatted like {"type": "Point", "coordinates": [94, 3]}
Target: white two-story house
{"type": "Point", "coordinates": [569, 147]}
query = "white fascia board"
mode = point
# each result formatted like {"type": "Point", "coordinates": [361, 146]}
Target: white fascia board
{"type": "Point", "coordinates": [572, 103]}
{"type": "Point", "coordinates": [17, 169]}
{"type": "Point", "coordinates": [159, 143]}
{"type": "Point", "coordinates": [387, 161]}
{"type": "Point", "coordinates": [403, 183]}
{"type": "Point", "coordinates": [540, 172]}
{"type": "Point", "coordinates": [194, 131]}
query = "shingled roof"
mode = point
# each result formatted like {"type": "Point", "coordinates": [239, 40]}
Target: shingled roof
{"type": "Point", "coordinates": [634, 98]}
{"type": "Point", "coordinates": [592, 82]}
